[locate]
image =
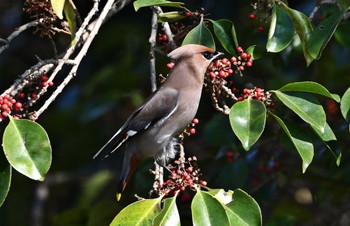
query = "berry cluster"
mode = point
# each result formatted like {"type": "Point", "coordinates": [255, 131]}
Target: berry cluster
{"type": "Point", "coordinates": [183, 175]}
{"type": "Point", "coordinates": [222, 68]}
{"type": "Point", "coordinates": [18, 105]}
{"type": "Point", "coordinates": [191, 130]}
{"type": "Point", "coordinates": [256, 93]}
{"type": "Point", "coordinates": [41, 9]}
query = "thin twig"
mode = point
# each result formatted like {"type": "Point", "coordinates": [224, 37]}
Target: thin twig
{"type": "Point", "coordinates": [152, 41]}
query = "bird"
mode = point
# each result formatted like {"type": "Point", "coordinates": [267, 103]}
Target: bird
{"type": "Point", "coordinates": [153, 129]}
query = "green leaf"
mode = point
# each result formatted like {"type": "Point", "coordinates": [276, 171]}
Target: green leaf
{"type": "Point", "coordinates": [303, 28]}
{"type": "Point", "coordinates": [170, 17]}
{"type": "Point", "coordinates": [5, 178]}
{"type": "Point", "coordinates": [200, 35]}
{"type": "Point", "coordinates": [247, 119]}
{"type": "Point", "coordinates": [281, 31]}
{"type": "Point", "coordinates": [310, 87]}
{"type": "Point", "coordinates": [322, 34]}
{"type": "Point", "coordinates": [169, 215]}
{"type": "Point", "coordinates": [57, 6]}
{"type": "Point", "coordinates": [254, 51]}
{"type": "Point", "coordinates": [223, 31]}
{"type": "Point", "coordinates": [243, 210]}
{"type": "Point", "coordinates": [207, 210]}
{"type": "Point", "coordinates": [71, 18]}
{"type": "Point", "coordinates": [138, 213]}
{"type": "Point", "coordinates": [300, 141]}
{"type": "Point", "coordinates": [146, 3]}
{"type": "Point", "coordinates": [345, 105]}
{"type": "Point", "coordinates": [27, 148]}
{"type": "Point", "coordinates": [342, 34]}
{"type": "Point", "coordinates": [305, 106]}
{"type": "Point", "coordinates": [329, 139]}
{"type": "Point", "coordinates": [221, 195]}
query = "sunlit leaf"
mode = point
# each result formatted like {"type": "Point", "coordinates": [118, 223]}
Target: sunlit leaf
{"type": "Point", "coordinates": [322, 34]}
{"type": "Point", "coordinates": [170, 17]}
{"type": "Point", "coordinates": [243, 210]}
{"type": "Point", "coordinates": [169, 215]}
{"type": "Point", "coordinates": [303, 28]}
{"type": "Point", "coordinates": [247, 119]}
{"type": "Point", "coordinates": [71, 18]}
{"type": "Point", "coordinates": [57, 6]}
{"type": "Point", "coordinates": [138, 213]}
{"type": "Point", "coordinates": [310, 87]}
{"type": "Point", "coordinates": [300, 141]}
{"type": "Point", "coordinates": [254, 51]}
{"type": "Point", "coordinates": [223, 31]}
{"type": "Point", "coordinates": [345, 105]}
{"type": "Point", "coordinates": [200, 35]}
{"type": "Point", "coordinates": [27, 148]}
{"type": "Point", "coordinates": [146, 3]}
{"type": "Point", "coordinates": [305, 106]}
{"type": "Point", "coordinates": [207, 210]}
{"type": "Point", "coordinates": [281, 31]}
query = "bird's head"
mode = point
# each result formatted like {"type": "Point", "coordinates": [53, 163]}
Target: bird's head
{"type": "Point", "coordinates": [200, 53]}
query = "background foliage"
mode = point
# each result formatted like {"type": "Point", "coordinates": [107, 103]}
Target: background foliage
{"type": "Point", "coordinates": [114, 79]}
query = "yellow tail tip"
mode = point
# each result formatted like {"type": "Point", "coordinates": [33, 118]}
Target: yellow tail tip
{"type": "Point", "coordinates": [119, 195]}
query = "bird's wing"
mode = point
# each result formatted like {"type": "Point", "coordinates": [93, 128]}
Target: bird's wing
{"type": "Point", "coordinates": [156, 109]}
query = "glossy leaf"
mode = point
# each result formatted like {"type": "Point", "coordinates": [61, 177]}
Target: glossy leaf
{"type": "Point", "coordinates": [303, 28]}
{"type": "Point", "coordinates": [243, 210]}
{"type": "Point", "coordinates": [330, 140]}
{"type": "Point", "coordinates": [169, 215]}
{"type": "Point", "coordinates": [310, 87]}
{"type": "Point", "coordinates": [27, 148]}
{"type": "Point", "coordinates": [57, 6]}
{"type": "Point", "coordinates": [207, 210]}
{"type": "Point", "coordinates": [300, 141]}
{"type": "Point", "coordinates": [305, 106]}
{"type": "Point", "coordinates": [281, 31]}
{"type": "Point", "coordinates": [223, 31]}
{"type": "Point", "coordinates": [345, 105]}
{"type": "Point", "coordinates": [344, 4]}
{"type": "Point", "coordinates": [322, 34]}
{"type": "Point", "coordinates": [200, 35]}
{"type": "Point", "coordinates": [247, 119]}
{"type": "Point", "coordinates": [5, 178]}
{"type": "Point", "coordinates": [170, 17]}
{"type": "Point", "coordinates": [146, 3]}
{"type": "Point", "coordinates": [254, 51]}
{"type": "Point", "coordinates": [71, 19]}
{"type": "Point", "coordinates": [138, 213]}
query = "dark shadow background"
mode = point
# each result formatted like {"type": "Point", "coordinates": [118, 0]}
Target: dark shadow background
{"type": "Point", "coordinates": [114, 79]}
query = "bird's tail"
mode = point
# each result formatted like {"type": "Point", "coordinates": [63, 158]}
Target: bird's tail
{"type": "Point", "coordinates": [127, 172]}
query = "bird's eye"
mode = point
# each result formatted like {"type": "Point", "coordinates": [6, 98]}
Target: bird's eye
{"type": "Point", "coordinates": [207, 55]}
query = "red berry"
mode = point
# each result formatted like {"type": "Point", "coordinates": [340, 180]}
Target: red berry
{"type": "Point", "coordinates": [203, 182]}
{"type": "Point", "coordinates": [260, 28]}
{"type": "Point", "coordinates": [44, 78]}
{"type": "Point", "coordinates": [4, 114]}
{"type": "Point", "coordinates": [188, 14]}
{"type": "Point", "coordinates": [182, 188]}
{"type": "Point", "coordinates": [50, 83]}
{"type": "Point", "coordinates": [225, 61]}
{"type": "Point", "coordinates": [222, 74]}
{"type": "Point", "coordinates": [217, 63]}
{"type": "Point", "coordinates": [43, 84]}
{"type": "Point", "coordinates": [195, 120]}
{"type": "Point", "coordinates": [34, 96]}
{"type": "Point", "coordinates": [5, 107]}
{"type": "Point", "coordinates": [7, 97]}
{"type": "Point", "coordinates": [18, 106]}
{"type": "Point", "coordinates": [192, 131]}
{"type": "Point", "coordinates": [239, 49]}
{"type": "Point", "coordinates": [233, 59]}
{"type": "Point", "coordinates": [244, 56]}
{"type": "Point", "coordinates": [184, 174]}
{"type": "Point", "coordinates": [164, 37]}
{"type": "Point", "coordinates": [21, 95]}
{"type": "Point", "coordinates": [212, 75]}
{"type": "Point", "coordinates": [190, 169]}
{"type": "Point", "coordinates": [241, 68]}
{"type": "Point", "coordinates": [170, 65]}
{"type": "Point", "coordinates": [249, 63]}
{"type": "Point", "coordinates": [252, 16]}
{"type": "Point", "coordinates": [230, 71]}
